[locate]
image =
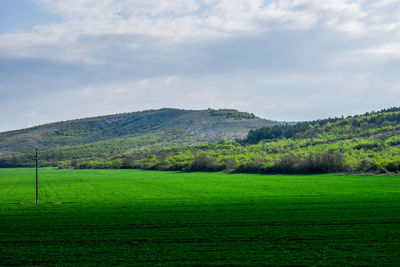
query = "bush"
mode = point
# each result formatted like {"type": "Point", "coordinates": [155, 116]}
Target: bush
{"type": "Point", "coordinates": [230, 164]}
{"type": "Point", "coordinates": [327, 162]}
{"type": "Point", "coordinates": [393, 167]}
{"type": "Point", "coordinates": [365, 165]}
{"type": "Point", "coordinates": [204, 163]}
{"type": "Point", "coordinates": [287, 164]}
{"type": "Point", "coordinates": [251, 166]}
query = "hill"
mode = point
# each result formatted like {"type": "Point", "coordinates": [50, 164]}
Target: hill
{"type": "Point", "coordinates": [381, 124]}
{"type": "Point", "coordinates": [121, 133]}
{"type": "Point", "coordinates": [362, 143]}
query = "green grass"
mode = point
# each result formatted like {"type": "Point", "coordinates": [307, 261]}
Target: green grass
{"type": "Point", "coordinates": [169, 218]}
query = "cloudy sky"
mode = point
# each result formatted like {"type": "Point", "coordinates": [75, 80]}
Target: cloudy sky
{"type": "Point", "coordinates": [281, 59]}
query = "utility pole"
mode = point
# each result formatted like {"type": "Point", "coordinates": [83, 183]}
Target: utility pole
{"type": "Point", "coordinates": [37, 177]}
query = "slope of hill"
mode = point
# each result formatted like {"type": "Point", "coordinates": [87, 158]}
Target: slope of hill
{"type": "Point", "coordinates": [381, 124]}
{"type": "Point", "coordinates": [109, 135]}
{"type": "Point", "coordinates": [365, 143]}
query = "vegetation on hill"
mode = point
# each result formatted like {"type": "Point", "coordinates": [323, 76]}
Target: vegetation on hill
{"type": "Point", "coordinates": [358, 123]}
{"type": "Point", "coordinates": [364, 143]}
{"type": "Point", "coordinates": [232, 113]}
{"type": "Point", "coordinates": [124, 133]}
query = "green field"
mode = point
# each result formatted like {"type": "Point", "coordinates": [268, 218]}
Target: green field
{"type": "Point", "coordinates": [104, 217]}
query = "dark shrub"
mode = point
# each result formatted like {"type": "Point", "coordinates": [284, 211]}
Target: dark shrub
{"type": "Point", "coordinates": [230, 164]}
{"type": "Point", "coordinates": [287, 164]}
{"type": "Point", "coordinates": [393, 167]}
{"type": "Point", "coordinates": [327, 162]}
{"type": "Point", "coordinates": [365, 165]}
{"type": "Point", "coordinates": [204, 163]}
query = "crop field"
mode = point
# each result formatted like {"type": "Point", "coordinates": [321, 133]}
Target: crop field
{"type": "Point", "coordinates": [128, 217]}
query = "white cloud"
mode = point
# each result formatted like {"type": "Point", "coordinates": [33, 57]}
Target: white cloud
{"type": "Point", "coordinates": [170, 79]}
{"type": "Point", "coordinates": [391, 50]}
{"type": "Point", "coordinates": [372, 55]}
{"type": "Point", "coordinates": [187, 21]}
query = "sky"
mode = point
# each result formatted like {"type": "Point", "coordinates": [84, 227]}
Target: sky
{"type": "Point", "coordinates": [287, 60]}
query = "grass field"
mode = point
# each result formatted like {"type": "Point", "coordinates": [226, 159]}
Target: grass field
{"type": "Point", "coordinates": [104, 217]}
